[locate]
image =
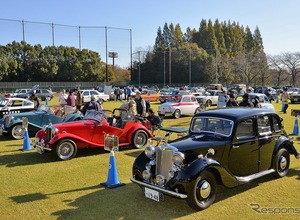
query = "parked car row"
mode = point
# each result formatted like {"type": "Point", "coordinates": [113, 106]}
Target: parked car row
{"type": "Point", "coordinates": [229, 146]}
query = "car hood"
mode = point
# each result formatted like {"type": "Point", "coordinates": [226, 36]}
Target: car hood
{"type": "Point", "coordinates": [195, 143]}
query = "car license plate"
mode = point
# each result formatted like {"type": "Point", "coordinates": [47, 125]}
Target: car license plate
{"type": "Point", "coordinates": [152, 194]}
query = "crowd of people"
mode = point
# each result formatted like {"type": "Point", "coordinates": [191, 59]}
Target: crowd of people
{"type": "Point", "coordinates": [254, 102]}
{"type": "Point", "coordinates": [134, 106]}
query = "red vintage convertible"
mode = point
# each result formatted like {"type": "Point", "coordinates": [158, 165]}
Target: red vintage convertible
{"type": "Point", "coordinates": [66, 138]}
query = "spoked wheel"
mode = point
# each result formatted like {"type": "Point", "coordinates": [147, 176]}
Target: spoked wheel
{"type": "Point", "coordinates": [66, 149]}
{"type": "Point", "coordinates": [203, 193]}
{"type": "Point", "coordinates": [139, 139]}
{"type": "Point", "coordinates": [17, 132]}
{"type": "Point", "coordinates": [281, 163]}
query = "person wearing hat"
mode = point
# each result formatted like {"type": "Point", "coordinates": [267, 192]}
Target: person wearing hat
{"type": "Point", "coordinates": [246, 102]}
{"type": "Point", "coordinates": [71, 99]}
{"type": "Point", "coordinates": [91, 105]}
{"type": "Point", "coordinates": [231, 102]}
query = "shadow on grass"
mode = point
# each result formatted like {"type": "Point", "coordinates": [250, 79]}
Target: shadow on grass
{"type": "Point", "coordinates": [125, 202]}
{"type": "Point", "coordinates": [31, 157]}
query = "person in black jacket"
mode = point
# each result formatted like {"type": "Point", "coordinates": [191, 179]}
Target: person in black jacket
{"type": "Point", "coordinates": [140, 104]}
{"type": "Point", "coordinates": [246, 102]}
{"type": "Point", "coordinates": [93, 104]}
{"type": "Point", "coordinates": [231, 102]}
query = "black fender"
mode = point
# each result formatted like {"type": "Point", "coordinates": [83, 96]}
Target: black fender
{"type": "Point", "coordinates": [196, 167]}
{"type": "Point", "coordinates": [288, 144]}
{"type": "Point", "coordinates": [139, 165]}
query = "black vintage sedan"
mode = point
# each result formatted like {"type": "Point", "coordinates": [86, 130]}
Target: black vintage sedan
{"type": "Point", "coordinates": [224, 146]}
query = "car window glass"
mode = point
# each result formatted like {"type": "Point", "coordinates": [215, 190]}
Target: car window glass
{"type": "Point", "coordinates": [245, 128]}
{"type": "Point", "coordinates": [193, 99]}
{"type": "Point", "coordinates": [17, 103]}
{"type": "Point", "coordinates": [85, 93]}
{"type": "Point", "coordinates": [263, 123]}
{"type": "Point", "coordinates": [212, 125]}
{"type": "Point", "coordinates": [276, 124]}
{"type": "Point", "coordinates": [26, 103]}
{"type": "Point", "coordinates": [186, 99]}
{"type": "Point", "coordinates": [94, 93]}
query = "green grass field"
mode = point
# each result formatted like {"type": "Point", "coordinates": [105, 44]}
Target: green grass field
{"type": "Point", "coordinates": [34, 186]}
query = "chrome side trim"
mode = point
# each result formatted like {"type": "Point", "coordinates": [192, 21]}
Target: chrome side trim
{"type": "Point", "coordinates": [254, 176]}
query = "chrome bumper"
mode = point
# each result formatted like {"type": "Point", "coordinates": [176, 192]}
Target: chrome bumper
{"type": "Point", "coordinates": [40, 146]}
{"type": "Point", "coordinates": [164, 191]}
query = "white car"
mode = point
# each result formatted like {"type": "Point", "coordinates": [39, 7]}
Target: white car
{"type": "Point", "coordinates": [186, 105]}
{"type": "Point", "coordinates": [263, 100]}
{"type": "Point", "coordinates": [15, 105]}
{"type": "Point", "coordinates": [20, 91]}
{"type": "Point", "coordinates": [210, 98]}
{"type": "Point", "coordinates": [88, 93]}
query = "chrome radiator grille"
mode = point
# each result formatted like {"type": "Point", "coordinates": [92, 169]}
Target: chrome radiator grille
{"type": "Point", "coordinates": [164, 161]}
{"type": "Point", "coordinates": [49, 134]}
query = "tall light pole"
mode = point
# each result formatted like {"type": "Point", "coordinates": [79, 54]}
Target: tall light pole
{"type": "Point", "coordinates": [190, 68]}
{"type": "Point", "coordinates": [164, 68]}
{"type": "Point", "coordinates": [216, 68]}
{"type": "Point", "coordinates": [170, 64]}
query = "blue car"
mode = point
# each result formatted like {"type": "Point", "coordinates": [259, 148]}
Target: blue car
{"type": "Point", "coordinates": [12, 124]}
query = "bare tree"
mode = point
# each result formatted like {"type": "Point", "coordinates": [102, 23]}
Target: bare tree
{"type": "Point", "coordinates": [291, 62]}
{"type": "Point", "coordinates": [277, 69]}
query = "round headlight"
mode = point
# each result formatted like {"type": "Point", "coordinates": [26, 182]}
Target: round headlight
{"type": "Point", "coordinates": [146, 174]}
{"type": "Point", "coordinates": [171, 173]}
{"type": "Point", "coordinates": [150, 151]}
{"type": "Point", "coordinates": [178, 158]}
{"type": "Point", "coordinates": [160, 180]}
{"type": "Point", "coordinates": [148, 166]}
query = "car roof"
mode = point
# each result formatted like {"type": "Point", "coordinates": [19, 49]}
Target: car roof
{"type": "Point", "coordinates": [235, 113]}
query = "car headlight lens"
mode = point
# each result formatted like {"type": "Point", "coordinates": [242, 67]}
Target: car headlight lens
{"type": "Point", "coordinates": [146, 174]}
{"type": "Point", "coordinates": [150, 151]}
{"type": "Point", "coordinates": [178, 158]}
{"type": "Point", "coordinates": [160, 180]}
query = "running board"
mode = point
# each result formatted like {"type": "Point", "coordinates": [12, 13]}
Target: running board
{"type": "Point", "coordinates": [246, 179]}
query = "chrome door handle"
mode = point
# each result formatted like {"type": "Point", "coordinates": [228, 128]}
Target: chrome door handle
{"type": "Point", "coordinates": [235, 146]}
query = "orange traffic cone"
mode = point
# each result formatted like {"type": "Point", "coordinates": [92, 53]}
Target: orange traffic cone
{"type": "Point", "coordinates": [112, 179]}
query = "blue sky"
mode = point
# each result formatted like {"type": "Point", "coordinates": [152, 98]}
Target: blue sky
{"type": "Point", "coordinates": [277, 20]}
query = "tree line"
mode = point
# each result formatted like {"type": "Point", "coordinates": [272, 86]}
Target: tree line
{"type": "Point", "coordinates": [22, 62]}
{"type": "Point", "coordinates": [217, 52]}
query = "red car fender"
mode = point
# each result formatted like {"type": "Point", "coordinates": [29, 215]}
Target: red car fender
{"type": "Point", "coordinates": [131, 127]}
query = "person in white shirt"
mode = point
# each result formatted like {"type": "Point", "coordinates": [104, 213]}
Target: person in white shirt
{"type": "Point", "coordinates": [62, 98]}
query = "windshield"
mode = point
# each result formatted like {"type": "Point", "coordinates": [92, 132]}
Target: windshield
{"type": "Point", "coordinates": [94, 115]}
{"type": "Point", "coordinates": [3, 102]}
{"type": "Point", "coordinates": [44, 108]}
{"type": "Point", "coordinates": [219, 126]}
